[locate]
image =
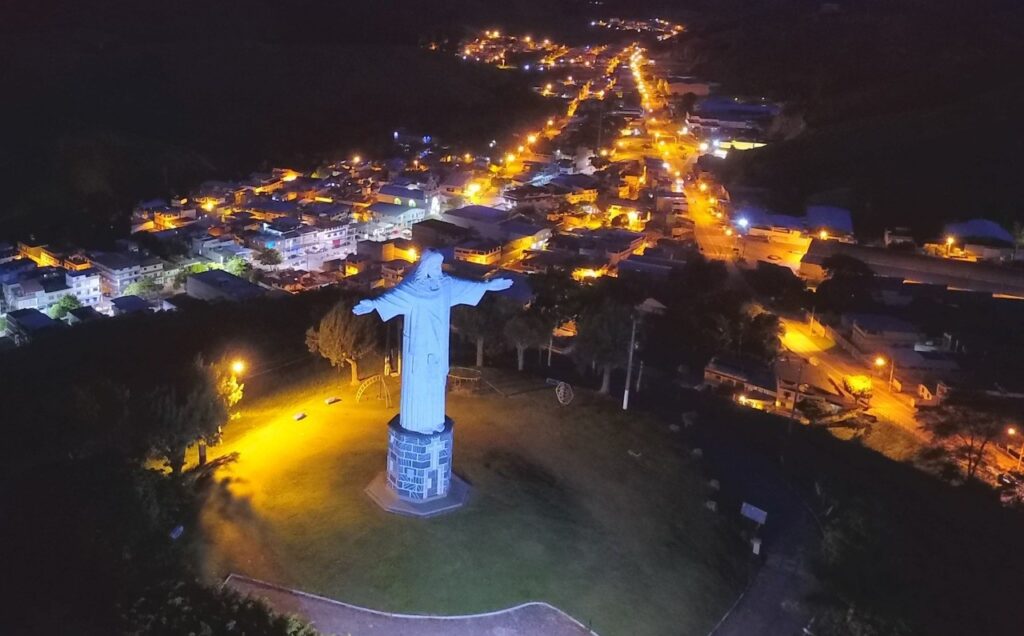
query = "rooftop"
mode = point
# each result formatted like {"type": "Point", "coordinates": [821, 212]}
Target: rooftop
{"type": "Point", "coordinates": [229, 284]}
{"type": "Point", "coordinates": [479, 213]}
{"type": "Point", "coordinates": [31, 319]}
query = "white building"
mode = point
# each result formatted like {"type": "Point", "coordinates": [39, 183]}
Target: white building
{"type": "Point", "coordinates": [118, 271]}
{"type": "Point", "coordinates": [306, 246]}
{"type": "Point", "coordinates": [42, 288]}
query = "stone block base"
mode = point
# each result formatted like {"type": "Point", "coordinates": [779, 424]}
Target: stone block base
{"type": "Point", "coordinates": [418, 481]}
{"type": "Point", "coordinates": [419, 464]}
{"type": "Point", "coordinates": [383, 495]}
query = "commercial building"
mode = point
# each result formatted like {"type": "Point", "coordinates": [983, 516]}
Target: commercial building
{"type": "Point", "coordinates": [917, 268]}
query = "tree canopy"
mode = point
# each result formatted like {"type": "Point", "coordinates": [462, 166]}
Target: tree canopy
{"type": "Point", "coordinates": [63, 305]}
{"type": "Point", "coordinates": [483, 323]}
{"type": "Point", "coordinates": [527, 328]}
{"type": "Point", "coordinates": [602, 338]}
{"type": "Point", "coordinates": [180, 414]}
{"type": "Point", "coordinates": [269, 256]}
{"type": "Point", "coordinates": [970, 421]}
{"type": "Point", "coordinates": [344, 338]}
{"type": "Point", "coordinates": [145, 287]}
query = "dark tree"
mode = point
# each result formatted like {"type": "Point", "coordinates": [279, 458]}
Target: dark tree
{"type": "Point", "coordinates": [602, 338]}
{"type": "Point", "coordinates": [848, 286]}
{"type": "Point", "coordinates": [483, 324]}
{"type": "Point", "coordinates": [344, 338]}
{"type": "Point", "coordinates": [175, 416]}
{"type": "Point", "coordinates": [269, 256]}
{"type": "Point", "coordinates": [526, 328]}
{"type": "Point", "coordinates": [970, 421]}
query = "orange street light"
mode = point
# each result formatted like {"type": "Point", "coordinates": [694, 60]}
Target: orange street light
{"type": "Point", "coordinates": [823, 235]}
{"type": "Point", "coordinates": [531, 139]}
{"type": "Point", "coordinates": [238, 366]}
{"type": "Point", "coordinates": [881, 362]}
{"type": "Point", "coordinates": [703, 187]}
{"type": "Point", "coordinates": [1011, 431]}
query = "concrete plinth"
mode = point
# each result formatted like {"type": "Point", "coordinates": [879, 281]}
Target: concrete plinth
{"type": "Point", "coordinates": [418, 480]}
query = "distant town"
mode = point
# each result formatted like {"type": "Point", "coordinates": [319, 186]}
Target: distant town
{"type": "Point", "coordinates": [548, 318]}
{"type": "Point", "coordinates": [620, 182]}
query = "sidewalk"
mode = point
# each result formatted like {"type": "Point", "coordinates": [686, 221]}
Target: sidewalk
{"type": "Point", "coordinates": [334, 617]}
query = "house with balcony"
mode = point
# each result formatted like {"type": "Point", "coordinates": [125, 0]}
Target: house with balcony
{"type": "Point", "coordinates": [301, 246]}
{"type": "Point", "coordinates": [42, 287]}
{"type": "Point", "coordinates": [118, 270]}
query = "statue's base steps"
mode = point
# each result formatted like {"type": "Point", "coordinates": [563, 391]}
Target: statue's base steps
{"type": "Point", "coordinates": [385, 497]}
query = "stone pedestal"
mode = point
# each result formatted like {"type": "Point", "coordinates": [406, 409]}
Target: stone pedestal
{"type": "Point", "coordinates": [419, 480]}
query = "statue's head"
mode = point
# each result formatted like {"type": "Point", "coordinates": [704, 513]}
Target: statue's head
{"type": "Point", "coordinates": [429, 266]}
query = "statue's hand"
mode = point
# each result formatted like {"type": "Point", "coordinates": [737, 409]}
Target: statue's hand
{"type": "Point", "coordinates": [364, 306]}
{"type": "Point", "coordinates": [498, 284]}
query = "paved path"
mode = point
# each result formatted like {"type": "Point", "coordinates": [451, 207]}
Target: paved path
{"type": "Point", "coordinates": [334, 617]}
{"type": "Point", "coordinates": [775, 602]}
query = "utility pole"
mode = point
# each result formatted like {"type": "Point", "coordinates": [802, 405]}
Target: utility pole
{"type": "Point", "coordinates": [629, 366]}
{"type": "Point", "coordinates": [796, 395]}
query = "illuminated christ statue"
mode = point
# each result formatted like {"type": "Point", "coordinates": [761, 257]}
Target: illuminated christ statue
{"type": "Point", "coordinates": [425, 297]}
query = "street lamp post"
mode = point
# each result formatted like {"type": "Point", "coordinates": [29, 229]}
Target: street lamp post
{"type": "Point", "coordinates": [629, 365]}
{"type": "Point", "coordinates": [796, 396]}
{"type": "Point", "coordinates": [881, 362]}
{"type": "Point", "coordinates": [1011, 431]}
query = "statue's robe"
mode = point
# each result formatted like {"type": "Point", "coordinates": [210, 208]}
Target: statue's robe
{"type": "Point", "coordinates": [425, 343]}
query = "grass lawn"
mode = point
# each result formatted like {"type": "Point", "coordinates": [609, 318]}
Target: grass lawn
{"type": "Point", "coordinates": [561, 512]}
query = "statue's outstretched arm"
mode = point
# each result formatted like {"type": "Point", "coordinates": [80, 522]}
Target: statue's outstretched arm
{"type": "Point", "coordinates": [364, 306]}
{"type": "Point", "coordinates": [469, 292]}
{"type": "Point", "coordinates": [388, 305]}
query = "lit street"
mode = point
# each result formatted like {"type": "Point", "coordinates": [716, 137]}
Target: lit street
{"type": "Point", "coordinates": [824, 354]}
{"type": "Point", "coordinates": [533, 318]}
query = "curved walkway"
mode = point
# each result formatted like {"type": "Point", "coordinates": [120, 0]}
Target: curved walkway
{"type": "Point", "coordinates": [334, 617]}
